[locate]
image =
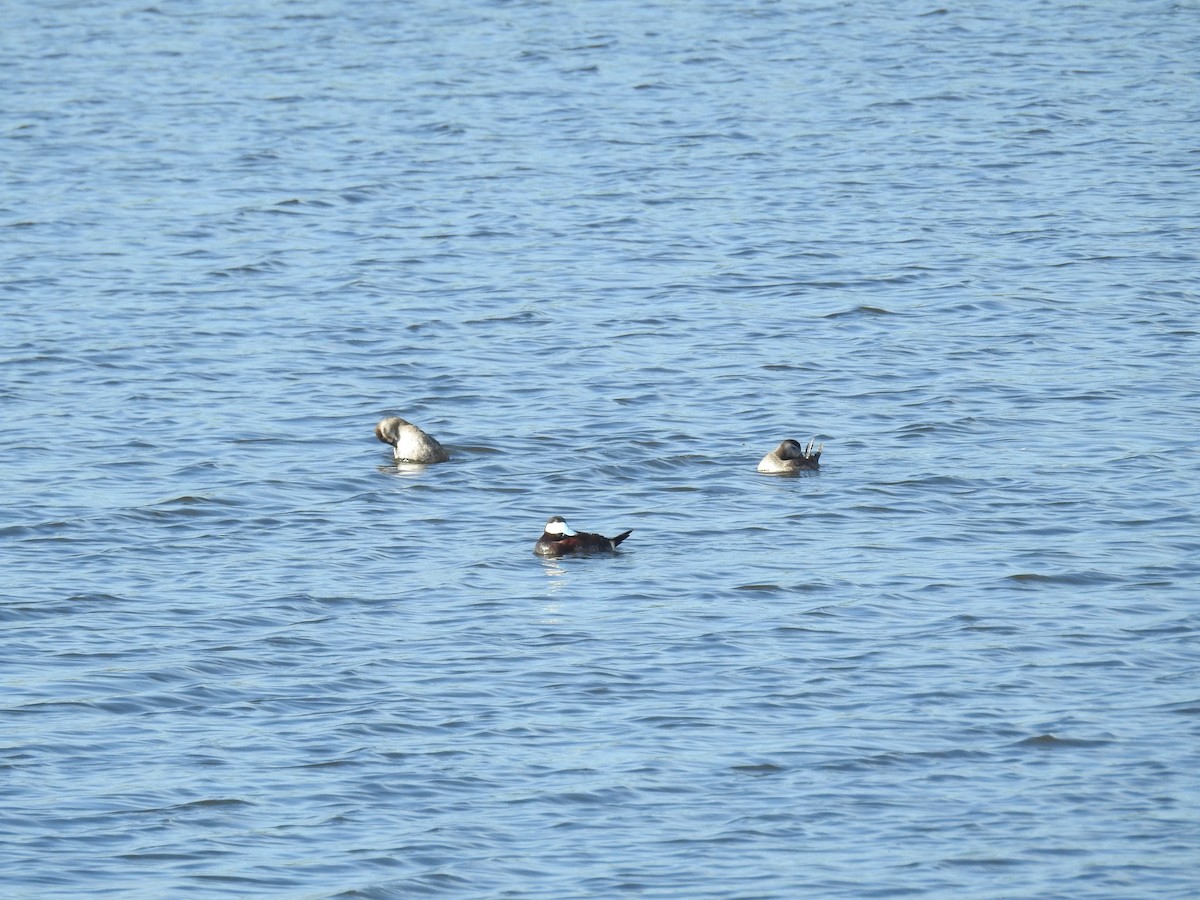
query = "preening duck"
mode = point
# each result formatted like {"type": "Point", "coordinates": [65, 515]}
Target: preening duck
{"type": "Point", "coordinates": [410, 443]}
{"type": "Point", "coordinates": [791, 457]}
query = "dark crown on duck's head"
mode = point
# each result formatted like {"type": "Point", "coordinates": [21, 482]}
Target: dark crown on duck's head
{"type": "Point", "coordinates": [791, 449]}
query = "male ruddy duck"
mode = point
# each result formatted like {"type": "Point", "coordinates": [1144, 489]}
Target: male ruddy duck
{"type": "Point", "coordinates": [410, 443]}
{"type": "Point", "coordinates": [559, 540]}
{"type": "Point", "coordinates": [791, 457]}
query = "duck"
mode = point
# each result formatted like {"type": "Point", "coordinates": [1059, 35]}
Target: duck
{"type": "Point", "coordinates": [559, 540]}
{"type": "Point", "coordinates": [410, 443]}
{"type": "Point", "coordinates": [790, 457]}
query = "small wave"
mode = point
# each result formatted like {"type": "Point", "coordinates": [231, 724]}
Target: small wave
{"type": "Point", "coordinates": [1091, 577]}
{"type": "Point", "coordinates": [758, 770]}
{"type": "Point", "coordinates": [860, 311]}
{"type": "Point", "coordinates": [1053, 742]}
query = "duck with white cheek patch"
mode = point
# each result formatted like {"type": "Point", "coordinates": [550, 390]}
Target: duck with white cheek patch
{"type": "Point", "coordinates": [559, 540]}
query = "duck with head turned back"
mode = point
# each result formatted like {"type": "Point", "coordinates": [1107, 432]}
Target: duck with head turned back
{"type": "Point", "coordinates": [559, 540]}
{"type": "Point", "coordinates": [791, 457]}
{"type": "Point", "coordinates": [410, 443]}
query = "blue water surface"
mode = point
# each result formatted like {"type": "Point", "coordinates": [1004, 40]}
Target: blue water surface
{"type": "Point", "coordinates": [610, 254]}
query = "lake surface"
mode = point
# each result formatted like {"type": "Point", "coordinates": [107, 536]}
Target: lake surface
{"type": "Point", "coordinates": [609, 253]}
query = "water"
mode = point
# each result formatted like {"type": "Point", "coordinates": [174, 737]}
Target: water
{"type": "Point", "coordinates": [610, 254]}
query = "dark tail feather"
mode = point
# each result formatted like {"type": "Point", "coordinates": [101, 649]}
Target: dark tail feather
{"type": "Point", "coordinates": [620, 537]}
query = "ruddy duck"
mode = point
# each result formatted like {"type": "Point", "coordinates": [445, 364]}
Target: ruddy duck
{"type": "Point", "coordinates": [791, 457]}
{"type": "Point", "coordinates": [559, 540]}
{"type": "Point", "coordinates": [410, 443]}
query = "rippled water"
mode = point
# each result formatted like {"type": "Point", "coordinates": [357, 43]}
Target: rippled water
{"type": "Point", "coordinates": [610, 254]}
